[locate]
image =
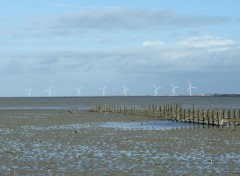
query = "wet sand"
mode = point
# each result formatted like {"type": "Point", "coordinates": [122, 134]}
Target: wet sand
{"type": "Point", "coordinates": [62, 142]}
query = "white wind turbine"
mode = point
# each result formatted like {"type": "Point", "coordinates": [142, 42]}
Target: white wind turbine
{"type": "Point", "coordinates": [173, 89]}
{"type": "Point", "coordinates": [190, 88]}
{"type": "Point", "coordinates": [103, 91]}
{"type": "Point", "coordinates": [49, 91]}
{"type": "Point", "coordinates": [156, 89]}
{"type": "Point", "coordinates": [125, 91]}
{"type": "Point", "coordinates": [29, 91]}
{"type": "Point", "coordinates": [78, 91]}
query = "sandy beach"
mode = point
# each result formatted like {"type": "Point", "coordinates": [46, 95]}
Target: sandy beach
{"type": "Point", "coordinates": [79, 142]}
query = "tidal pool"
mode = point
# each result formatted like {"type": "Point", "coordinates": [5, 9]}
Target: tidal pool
{"type": "Point", "coordinates": [149, 125]}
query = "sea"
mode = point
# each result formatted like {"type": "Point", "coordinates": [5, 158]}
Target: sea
{"type": "Point", "coordinates": [200, 102]}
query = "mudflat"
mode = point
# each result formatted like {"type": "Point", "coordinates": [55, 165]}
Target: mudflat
{"type": "Point", "coordinates": [80, 142]}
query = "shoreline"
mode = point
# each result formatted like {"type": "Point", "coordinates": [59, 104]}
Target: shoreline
{"type": "Point", "coordinates": [71, 142]}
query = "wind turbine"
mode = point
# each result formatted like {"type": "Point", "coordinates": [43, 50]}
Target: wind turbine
{"type": "Point", "coordinates": [49, 91]}
{"type": "Point", "coordinates": [78, 91]}
{"type": "Point", "coordinates": [190, 88]}
{"type": "Point", "coordinates": [29, 91]}
{"type": "Point", "coordinates": [125, 91]}
{"type": "Point", "coordinates": [103, 91]}
{"type": "Point", "coordinates": [173, 89]}
{"type": "Point", "coordinates": [156, 90]}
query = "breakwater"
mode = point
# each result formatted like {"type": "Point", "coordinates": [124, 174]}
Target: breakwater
{"type": "Point", "coordinates": [176, 112]}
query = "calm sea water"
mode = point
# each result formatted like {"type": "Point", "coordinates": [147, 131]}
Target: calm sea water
{"type": "Point", "coordinates": [129, 101]}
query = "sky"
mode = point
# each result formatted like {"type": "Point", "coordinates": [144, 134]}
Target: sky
{"type": "Point", "coordinates": [94, 44]}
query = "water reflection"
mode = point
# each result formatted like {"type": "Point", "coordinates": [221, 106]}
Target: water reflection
{"type": "Point", "coordinates": [149, 125]}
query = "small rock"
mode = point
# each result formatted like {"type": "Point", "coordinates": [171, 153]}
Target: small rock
{"type": "Point", "coordinates": [76, 131]}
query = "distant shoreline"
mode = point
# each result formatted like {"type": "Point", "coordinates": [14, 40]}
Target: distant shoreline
{"type": "Point", "coordinates": [140, 96]}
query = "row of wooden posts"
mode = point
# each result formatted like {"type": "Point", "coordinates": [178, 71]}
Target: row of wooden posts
{"type": "Point", "coordinates": [178, 113]}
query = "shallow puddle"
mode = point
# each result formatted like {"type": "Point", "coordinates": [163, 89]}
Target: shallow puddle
{"type": "Point", "coordinates": [150, 125]}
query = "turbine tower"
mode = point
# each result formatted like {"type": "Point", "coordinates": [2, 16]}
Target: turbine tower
{"type": "Point", "coordinates": [103, 91]}
{"type": "Point", "coordinates": [29, 91]}
{"type": "Point", "coordinates": [190, 88]}
{"type": "Point", "coordinates": [156, 90]}
{"type": "Point", "coordinates": [49, 91]}
{"type": "Point", "coordinates": [78, 91]}
{"type": "Point", "coordinates": [125, 91]}
{"type": "Point", "coordinates": [173, 89]}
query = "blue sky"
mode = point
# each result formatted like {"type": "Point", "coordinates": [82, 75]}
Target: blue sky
{"type": "Point", "coordinates": [95, 44]}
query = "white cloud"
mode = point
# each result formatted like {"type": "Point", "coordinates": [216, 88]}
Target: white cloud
{"type": "Point", "coordinates": [206, 41]}
{"type": "Point", "coordinates": [153, 43]}
{"type": "Point", "coordinates": [124, 19]}
{"type": "Point", "coordinates": [222, 55]}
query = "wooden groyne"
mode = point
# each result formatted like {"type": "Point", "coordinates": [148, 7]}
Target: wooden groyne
{"type": "Point", "coordinates": [177, 113]}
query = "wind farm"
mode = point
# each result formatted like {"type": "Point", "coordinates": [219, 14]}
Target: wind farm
{"type": "Point", "coordinates": [167, 89]}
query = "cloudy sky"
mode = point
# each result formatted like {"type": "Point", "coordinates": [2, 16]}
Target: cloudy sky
{"type": "Point", "coordinates": [94, 44]}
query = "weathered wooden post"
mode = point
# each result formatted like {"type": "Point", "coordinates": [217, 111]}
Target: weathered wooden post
{"type": "Point", "coordinates": [202, 116]}
{"type": "Point", "coordinates": [212, 117]}
{"type": "Point", "coordinates": [198, 116]}
{"type": "Point", "coordinates": [229, 113]}
{"type": "Point", "coordinates": [218, 118]}
{"type": "Point", "coordinates": [192, 113]}
{"type": "Point", "coordinates": [223, 113]}
{"type": "Point", "coordinates": [167, 110]}
{"type": "Point", "coordinates": [153, 109]}
{"type": "Point", "coordinates": [180, 114]}
{"type": "Point", "coordinates": [160, 111]}
{"type": "Point", "coordinates": [184, 115]}
{"type": "Point", "coordinates": [208, 117]}
{"type": "Point", "coordinates": [189, 113]}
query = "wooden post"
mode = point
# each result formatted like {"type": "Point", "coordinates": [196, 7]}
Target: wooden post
{"type": "Point", "coordinates": [202, 116]}
{"type": "Point", "coordinates": [153, 109]}
{"type": "Point", "coordinates": [193, 113]}
{"type": "Point", "coordinates": [218, 118]}
{"type": "Point", "coordinates": [207, 117]}
{"type": "Point", "coordinates": [184, 112]}
{"type": "Point", "coordinates": [198, 116]}
{"type": "Point", "coordinates": [223, 114]}
{"type": "Point", "coordinates": [160, 111]}
{"type": "Point", "coordinates": [189, 113]}
{"type": "Point", "coordinates": [212, 117]}
{"type": "Point", "coordinates": [229, 114]}
{"type": "Point", "coordinates": [180, 113]}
